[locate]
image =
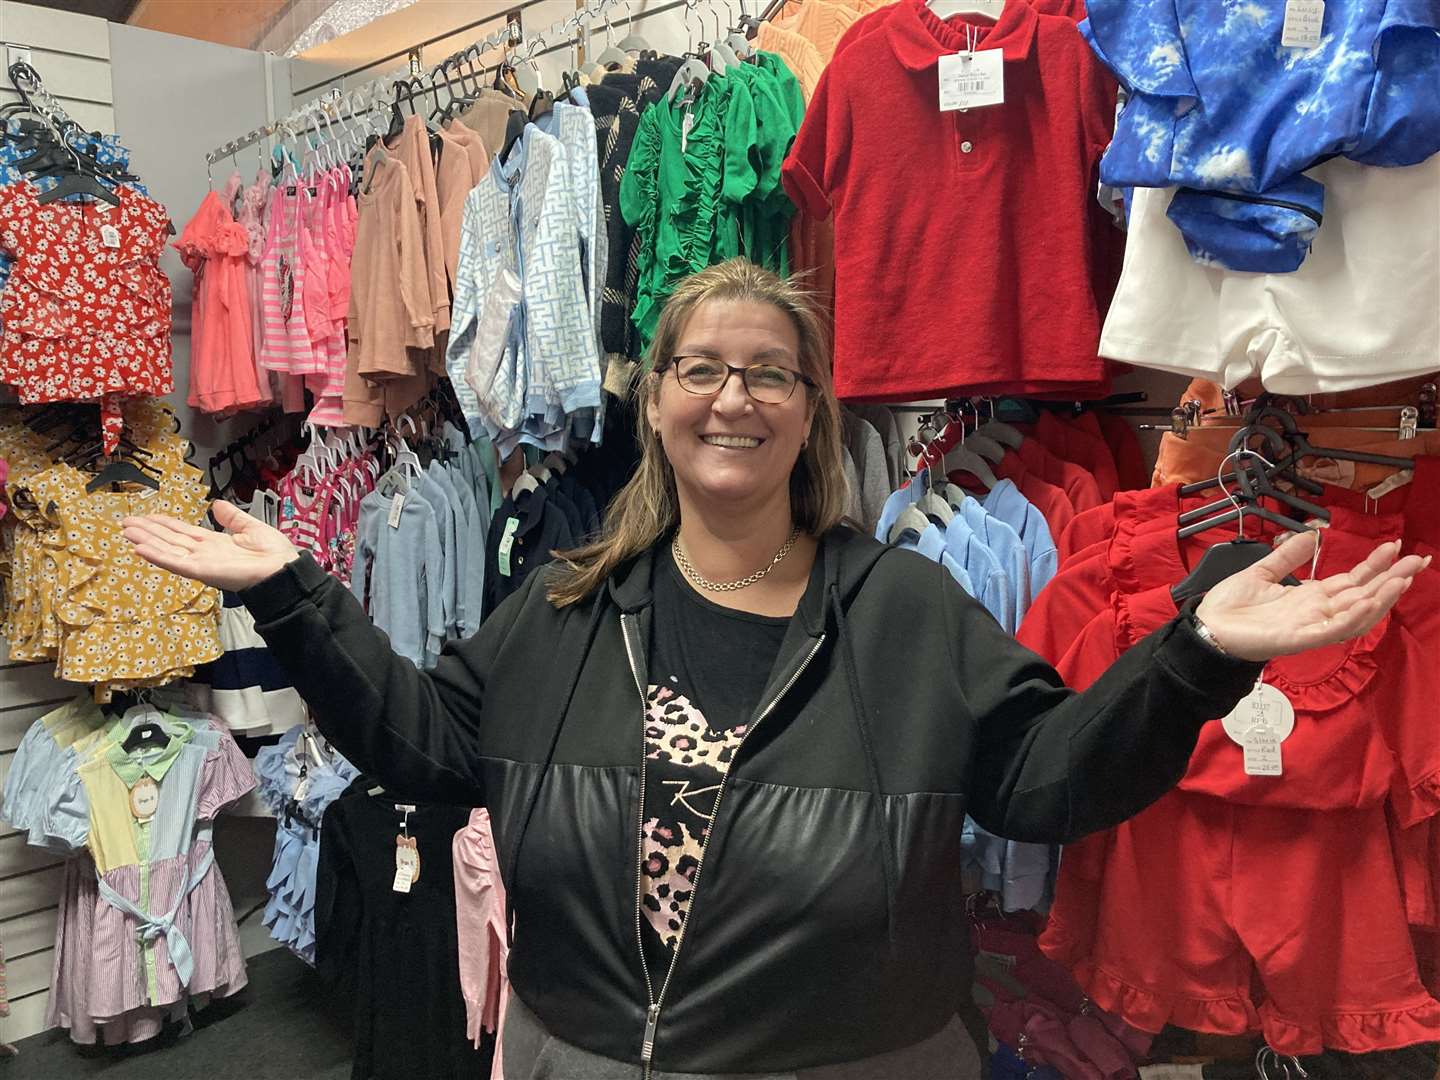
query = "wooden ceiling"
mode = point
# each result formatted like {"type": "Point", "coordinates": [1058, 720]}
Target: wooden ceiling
{"type": "Point", "coordinates": [241, 23]}
{"type": "Point", "coordinates": [113, 10]}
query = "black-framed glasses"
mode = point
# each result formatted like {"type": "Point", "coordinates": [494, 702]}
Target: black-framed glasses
{"type": "Point", "coordinates": [767, 384]}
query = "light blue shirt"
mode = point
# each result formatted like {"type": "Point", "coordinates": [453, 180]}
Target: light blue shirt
{"type": "Point", "coordinates": [931, 544]}
{"type": "Point", "coordinates": [991, 585]}
{"type": "Point", "coordinates": [1005, 543]}
{"type": "Point", "coordinates": [1005, 502]}
{"type": "Point", "coordinates": [896, 504]}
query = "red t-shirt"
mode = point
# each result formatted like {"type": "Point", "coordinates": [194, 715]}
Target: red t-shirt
{"type": "Point", "coordinates": [970, 252]}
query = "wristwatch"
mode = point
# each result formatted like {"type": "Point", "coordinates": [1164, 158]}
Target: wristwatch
{"type": "Point", "coordinates": [1207, 635]}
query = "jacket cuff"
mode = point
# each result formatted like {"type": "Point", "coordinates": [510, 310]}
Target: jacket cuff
{"type": "Point", "coordinates": [1212, 674]}
{"type": "Point", "coordinates": [284, 590]}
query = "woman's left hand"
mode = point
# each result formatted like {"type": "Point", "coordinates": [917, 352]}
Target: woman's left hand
{"type": "Point", "coordinates": [1254, 617]}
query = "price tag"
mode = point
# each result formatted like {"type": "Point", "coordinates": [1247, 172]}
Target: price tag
{"type": "Point", "coordinates": [1304, 21]}
{"type": "Point", "coordinates": [1262, 752]}
{"type": "Point", "coordinates": [1264, 706]}
{"type": "Point", "coordinates": [1172, 1072]}
{"type": "Point", "coordinates": [403, 879]}
{"type": "Point", "coordinates": [507, 541]}
{"type": "Point", "coordinates": [969, 80]}
{"type": "Point", "coordinates": [397, 504]}
{"type": "Point", "coordinates": [407, 861]}
{"type": "Point", "coordinates": [687, 124]}
{"type": "Point", "coordinates": [110, 236]}
{"type": "Point", "coordinates": [144, 799]}
{"type": "Point", "coordinates": [1262, 720]}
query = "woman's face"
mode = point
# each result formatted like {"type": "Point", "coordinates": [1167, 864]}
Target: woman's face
{"type": "Point", "coordinates": [727, 448]}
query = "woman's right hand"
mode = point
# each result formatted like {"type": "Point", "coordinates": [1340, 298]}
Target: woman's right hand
{"type": "Point", "coordinates": [247, 552]}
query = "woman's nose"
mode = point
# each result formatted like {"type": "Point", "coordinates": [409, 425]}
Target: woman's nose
{"type": "Point", "coordinates": [733, 399]}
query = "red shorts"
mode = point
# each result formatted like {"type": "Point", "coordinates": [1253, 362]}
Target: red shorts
{"type": "Point", "coordinates": [1231, 919]}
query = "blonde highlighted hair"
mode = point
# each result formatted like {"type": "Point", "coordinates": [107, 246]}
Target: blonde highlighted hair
{"type": "Point", "coordinates": [647, 507]}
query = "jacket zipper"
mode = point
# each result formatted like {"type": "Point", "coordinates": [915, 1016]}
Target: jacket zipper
{"type": "Point", "coordinates": [652, 1012]}
{"type": "Point", "coordinates": [1258, 200]}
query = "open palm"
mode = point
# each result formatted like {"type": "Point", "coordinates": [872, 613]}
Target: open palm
{"type": "Point", "coordinates": [1254, 617]}
{"type": "Point", "coordinates": [247, 552]}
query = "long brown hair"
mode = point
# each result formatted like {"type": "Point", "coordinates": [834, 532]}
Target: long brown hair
{"type": "Point", "coordinates": [647, 507]}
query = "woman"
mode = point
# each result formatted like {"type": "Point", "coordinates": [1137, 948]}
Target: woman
{"type": "Point", "coordinates": [733, 696]}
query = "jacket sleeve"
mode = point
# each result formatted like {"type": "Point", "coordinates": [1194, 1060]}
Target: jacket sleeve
{"type": "Point", "coordinates": [416, 732]}
{"type": "Point", "coordinates": [1052, 765]}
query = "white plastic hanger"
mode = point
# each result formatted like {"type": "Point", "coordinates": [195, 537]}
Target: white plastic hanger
{"type": "Point", "coordinates": [912, 517]}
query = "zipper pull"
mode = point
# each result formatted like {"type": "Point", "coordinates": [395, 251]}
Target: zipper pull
{"type": "Point", "coordinates": [647, 1048]}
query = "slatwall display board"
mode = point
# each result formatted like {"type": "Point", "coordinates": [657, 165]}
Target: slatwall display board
{"type": "Point", "coordinates": [72, 54]}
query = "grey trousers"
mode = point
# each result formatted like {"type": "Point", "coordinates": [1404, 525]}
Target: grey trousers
{"type": "Point", "coordinates": [532, 1053]}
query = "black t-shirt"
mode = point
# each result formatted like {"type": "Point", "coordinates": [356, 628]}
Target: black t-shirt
{"type": "Point", "coordinates": [708, 667]}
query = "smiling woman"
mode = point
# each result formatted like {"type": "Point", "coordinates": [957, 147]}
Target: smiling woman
{"type": "Point", "coordinates": [739, 434]}
{"type": "Point", "coordinates": [816, 714]}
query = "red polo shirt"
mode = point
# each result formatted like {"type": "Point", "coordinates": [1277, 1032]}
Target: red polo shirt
{"type": "Point", "coordinates": [970, 254]}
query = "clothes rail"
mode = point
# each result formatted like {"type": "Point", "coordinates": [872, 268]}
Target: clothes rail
{"type": "Point", "coordinates": [325, 105]}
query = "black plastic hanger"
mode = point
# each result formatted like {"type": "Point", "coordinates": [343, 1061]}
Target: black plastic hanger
{"type": "Point", "coordinates": [514, 129]}
{"type": "Point", "coordinates": [147, 735]}
{"type": "Point", "coordinates": [122, 472]}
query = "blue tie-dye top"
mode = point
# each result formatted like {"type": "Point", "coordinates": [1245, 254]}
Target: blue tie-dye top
{"type": "Point", "coordinates": [1218, 104]}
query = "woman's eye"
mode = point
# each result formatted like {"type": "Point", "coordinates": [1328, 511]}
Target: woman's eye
{"type": "Point", "coordinates": [770, 376]}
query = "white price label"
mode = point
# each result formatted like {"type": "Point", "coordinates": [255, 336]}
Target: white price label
{"type": "Point", "coordinates": [687, 124]}
{"type": "Point", "coordinates": [969, 80]}
{"type": "Point", "coordinates": [404, 877]}
{"type": "Point", "coordinates": [1264, 707]}
{"type": "Point", "coordinates": [1304, 22]}
{"type": "Point", "coordinates": [507, 541]}
{"type": "Point", "coordinates": [397, 505]}
{"type": "Point", "coordinates": [1172, 1072]}
{"type": "Point", "coordinates": [1262, 753]}
{"type": "Point", "coordinates": [110, 236]}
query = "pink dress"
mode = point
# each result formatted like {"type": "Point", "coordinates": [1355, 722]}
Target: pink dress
{"type": "Point", "coordinates": [222, 353]}
{"type": "Point", "coordinates": [326, 332]}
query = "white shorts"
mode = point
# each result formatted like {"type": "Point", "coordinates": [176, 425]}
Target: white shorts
{"type": "Point", "coordinates": [1362, 309]}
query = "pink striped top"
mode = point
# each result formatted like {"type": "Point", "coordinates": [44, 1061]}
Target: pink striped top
{"type": "Point", "coordinates": [287, 346]}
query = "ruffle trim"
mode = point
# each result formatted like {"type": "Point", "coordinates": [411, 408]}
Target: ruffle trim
{"type": "Point", "coordinates": [1418, 803]}
{"type": "Point", "coordinates": [1230, 1015]}
{"type": "Point", "coordinates": [1354, 1033]}
{"type": "Point", "coordinates": [1352, 668]}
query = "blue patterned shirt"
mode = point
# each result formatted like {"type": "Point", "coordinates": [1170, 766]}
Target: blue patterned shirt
{"type": "Point", "coordinates": [1218, 104]}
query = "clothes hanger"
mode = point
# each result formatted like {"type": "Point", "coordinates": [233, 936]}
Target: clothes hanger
{"type": "Point", "coordinates": [632, 42]}
{"type": "Point", "coordinates": [693, 72]}
{"type": "Point", "coordinates": [613, 56]}
{"type": "Point", "coordinates": [1223, 560]}
{"type": "Point", "coordinates": [721, 55]}
{"type": "Point", "coordinates": [912, 518]}
{"type": "Point", "coordinates": [77, 182]}
{"type": "Point", "coordinates": [947, 9]}
{"type": "Point", "coordinates": [1001, 432]}
{"type": "Point", "coordinates": [737, 40]}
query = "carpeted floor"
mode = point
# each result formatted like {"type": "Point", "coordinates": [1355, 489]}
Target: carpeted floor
{"type": "Point", "coordinates": [282, 1026]}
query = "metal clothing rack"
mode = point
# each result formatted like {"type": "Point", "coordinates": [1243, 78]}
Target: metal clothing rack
{"type": "Point", "coordinates": [377, 93]}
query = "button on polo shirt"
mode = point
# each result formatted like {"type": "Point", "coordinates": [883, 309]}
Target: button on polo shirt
{"type": "Point", "coordinates": [967, 243]}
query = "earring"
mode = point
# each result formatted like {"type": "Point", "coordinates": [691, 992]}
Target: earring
{"type": "Point", "coordinates": [805, 444]}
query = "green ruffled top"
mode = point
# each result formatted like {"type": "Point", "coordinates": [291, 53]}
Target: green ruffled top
{"type": "Point", "coordinates": [702, 183]}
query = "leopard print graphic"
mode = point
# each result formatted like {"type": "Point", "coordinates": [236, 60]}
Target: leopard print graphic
{"type": "Point", "coordinates": [676, 731]}
{"type": "Point", "coordinates": [676, 734]}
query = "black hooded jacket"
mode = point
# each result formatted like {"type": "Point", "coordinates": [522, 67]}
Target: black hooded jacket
{"type": "Point", "coordinates": [827, 923]}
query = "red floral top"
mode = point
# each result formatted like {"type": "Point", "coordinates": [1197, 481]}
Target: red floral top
{"type": "Point", "coordinates": [86, 310]}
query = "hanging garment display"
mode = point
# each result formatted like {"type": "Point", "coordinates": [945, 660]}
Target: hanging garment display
{"type": "Point", "coordinates": [1359, 311]}
{"type": "Point", "coordinates": [385, 919]}
{"type": "Point", "coordinates": [480, 934]}
{"type": "Point", "coordinates": [76, 593]}
{"type": "Point", "coordinates": [1357, 81]}
{"type": "Point", "coordinates": [215, 247]}
{"type": "Point", "coordinates": [1352, 757]}
{"type": "Point", "coordinates": [145, 928]}
{"type": "Point", "coordinates": [701, 185]}
{"type": "Point", "coordinates": [298, 778]}
{"type": "Point", "coordinates": [1033, 142]}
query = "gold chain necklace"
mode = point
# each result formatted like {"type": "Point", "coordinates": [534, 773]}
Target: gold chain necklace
{"type": "Point", "coordinates": [695, 579]}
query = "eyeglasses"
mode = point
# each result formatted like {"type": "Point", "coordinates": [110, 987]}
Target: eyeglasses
{"type": "Point", "coordinates": [767, 384]}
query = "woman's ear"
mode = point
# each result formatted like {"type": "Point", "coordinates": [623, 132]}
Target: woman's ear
{"type": "Point", "coordinates": [652, 407]}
